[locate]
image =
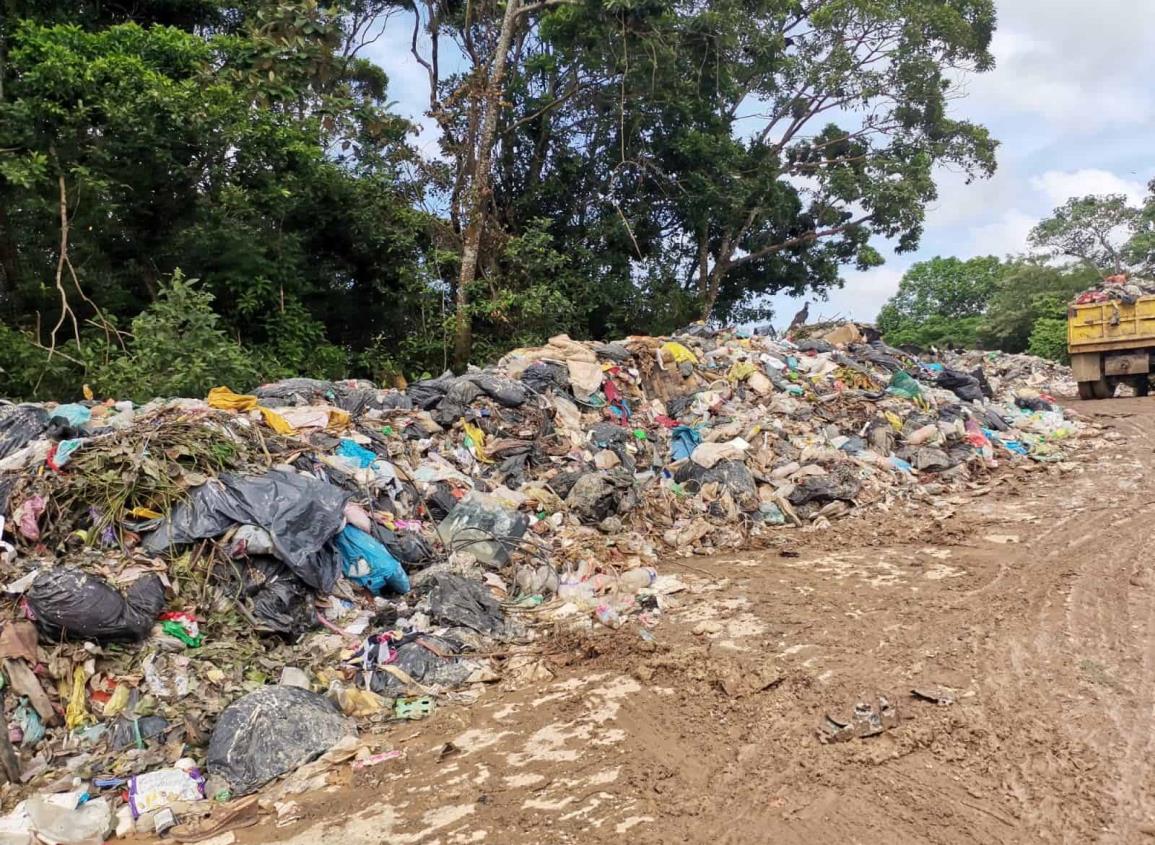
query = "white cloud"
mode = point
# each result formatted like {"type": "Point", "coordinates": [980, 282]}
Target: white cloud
{"type": "Point", "coordinates": [1058, 186]}
{"type": "Point", "coordinates": [1007, 235]}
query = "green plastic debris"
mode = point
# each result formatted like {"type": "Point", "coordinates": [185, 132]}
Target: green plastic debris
{"type": "Point", "coordinates": [175, 629]}
{"type": "Point", "coordinates": [640, 434]}
{"type": "Point", "coordinates": [387, 431]}
{"type": "Point", "coordinates": [901, 384]}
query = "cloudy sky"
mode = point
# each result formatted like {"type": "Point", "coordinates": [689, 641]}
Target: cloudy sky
{"type": "Point", "coordinates": [1071, 100]}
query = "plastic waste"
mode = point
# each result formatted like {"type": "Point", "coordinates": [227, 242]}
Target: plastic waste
{"type": "Point", "coordinates": [458, 601]}
{"type": "Point", "coordinates": [299, 512]}
{"type": "Point", "coordinates": [357, 453]}
{"type": "Point", "coordinates": [270, 732]}
{"type": "Point", "coordinates": [72, 604]}
{"type": "Point", "coordinates": [902, 384]}
{"type": "Point", "coordinates": [63, 820]}
{"type": "Point", "coordinates": [159, 788]}
{"type": "Point", "coordinates": [368, 563]}
{"type": "Point", "coordinates": [479, 525]}
{"type": "Point", "coordinates": [75, 415]}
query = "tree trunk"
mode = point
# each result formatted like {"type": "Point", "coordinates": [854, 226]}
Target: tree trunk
{"type": "Point", "coordinates": [480, 188]}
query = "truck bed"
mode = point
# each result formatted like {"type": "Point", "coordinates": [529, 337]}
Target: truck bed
{"type": "Point", "coordinates": [1111, 326]}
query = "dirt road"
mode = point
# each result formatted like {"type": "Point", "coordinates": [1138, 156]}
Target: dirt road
{"type": "Point", "coordinates": [1032, 600]}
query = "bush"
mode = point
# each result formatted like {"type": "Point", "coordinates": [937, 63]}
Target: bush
{"type": "Point", "coordinates": [1049, 339]}
{"type": "Point", "coordinates": [177, 349]}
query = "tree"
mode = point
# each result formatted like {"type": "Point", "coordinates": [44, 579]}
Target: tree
{"type": "Point", "coordinates": [732, 149]}
{"type": "Point", "coordinates": [1091, 229]}
{"type": "Point", "coordinates": [1030, 292]}
{"type": "Point", "coordinates": [259, 154]}
{"type": "Point", "coordinates": [939, 302]}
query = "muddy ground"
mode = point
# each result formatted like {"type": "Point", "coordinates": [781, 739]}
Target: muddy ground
{"type": "Point", "coordinates": [1029, 599]}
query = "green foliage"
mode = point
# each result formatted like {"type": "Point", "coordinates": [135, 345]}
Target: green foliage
{"type": "Point", "coordinates": [983, 303]}
{"type": "Point", "coordinates": [1049, 339]}
{"type": "Point", "coordinates": [633, 189]}
{"type": "Point", "coordinates": [939, 302]}
{"type": "Point", "coordinates": [178, 348]}
{"type": "Point", "coordinates": [937, 332]}
{"type": "Point", "coordinates": [1028, 293]}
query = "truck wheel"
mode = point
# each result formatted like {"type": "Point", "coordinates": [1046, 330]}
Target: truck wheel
{"type": "Point", "coordinates": [1142, 385]}
{"type": "Point", "coordinates": [1103, 388]}
{"type": "Point", "coordinates": [1087, 390]}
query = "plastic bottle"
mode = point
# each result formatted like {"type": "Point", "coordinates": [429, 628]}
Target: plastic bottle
{"type": "Point", "coordinates": [608, 616]}
{"type": "Point", "coordinates": [633, 580]}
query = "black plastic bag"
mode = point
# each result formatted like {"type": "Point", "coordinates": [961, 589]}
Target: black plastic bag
{"type": "Point", "coordinates": [825, 488]}
{"type": "Point", "coordinates": [508, 392]}
{"type": "Point", "coordinates": [276, 597]}
{"type": "Point", "coordinates": [70, 604]}
{"type": "Point", "coordinates": [272, 732]}
{"type": "Point", "coordinates": [1033, 403]}
{"type": "Point", "coordinates": [300, 513]}
{"type": "Point", "coordinates": [984, 384]}
{"type": "Point", "coordinates": [457, 601]}
{"type": "Point", "coordinates": [18, 425]}
{"type": "Point", "coordinates": [735, 476]}
{"type": "Point", "coordinates": [437, 663]}
{"type": "Point", "coordinates": [543, 376]}
{"type": "Point", "coordinates": [962, 385]}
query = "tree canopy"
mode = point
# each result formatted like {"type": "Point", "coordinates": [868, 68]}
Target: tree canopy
{"type": "Point", "coordinates": [606, 166]}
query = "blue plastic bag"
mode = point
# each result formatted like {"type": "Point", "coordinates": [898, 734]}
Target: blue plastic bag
{"type": "Point", "coordinates": [77, 415]}
{"type": "Point", "coordinates": [368, 563]}
{"type": "Point", "coordinates": [683, 440]}
{"type": "Point", "coordinates": [356, 453]}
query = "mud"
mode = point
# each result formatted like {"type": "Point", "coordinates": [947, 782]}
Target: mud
{"type": "Point", "coordinates": [1029, 604]}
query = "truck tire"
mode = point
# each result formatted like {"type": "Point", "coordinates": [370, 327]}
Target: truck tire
{"type": "Point", "coordinates": [1142, 385]}
{"type": "Point", "coordinates": [1098, 389]}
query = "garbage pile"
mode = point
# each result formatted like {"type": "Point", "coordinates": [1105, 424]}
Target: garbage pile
{"type": "Point", "coordinates": [1117, 288]}
{"type": "Point", "coordinates": [203, 595]}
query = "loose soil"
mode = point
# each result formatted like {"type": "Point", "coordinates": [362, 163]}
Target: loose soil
{"type": "Point", "coordinates": [1029, 600]}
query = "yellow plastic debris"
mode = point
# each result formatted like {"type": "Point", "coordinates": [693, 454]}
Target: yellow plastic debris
{"type": "Point", "coordinates": [741, 371]}
{"type": "Point", "coordinates": [117, 701]}
{"type": "Point", "coordinates": [680, 353]}
{"type": "Point", "coordinates": [477, 440]}
{"type": "Point", "coordinates": [338, 419]}
{"type": "Point", "coordinates": [225, 400]}
{"type": "Point", "coordinates": [141, 512]}
{"type": "Point", "coordinates": [88, 394]}
{"type": "Point", "coordinates": [894, 420]}
{"type": "Point", "coordinates": [77, 713]}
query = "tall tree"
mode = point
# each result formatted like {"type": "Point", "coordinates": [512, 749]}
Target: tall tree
{"type": "Point", "coordinates": [1090, 229]}
{"type": "Point", "coordinates": [738, 148]}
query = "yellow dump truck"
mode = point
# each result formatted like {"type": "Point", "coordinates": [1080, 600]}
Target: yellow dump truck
{"type": "Point", "coordinates": [1111, 343]}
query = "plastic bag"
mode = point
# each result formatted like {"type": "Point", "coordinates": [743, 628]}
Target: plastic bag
{"type": "Point", "coordinates": [481, 526]}
{"type": "Point", "coordinates": [157, 789]}
{"type": "Point", "coordinates": [458, 601]}
{"type": "Point", "coordinates": [75, 415]}
{"type": "Point", "coordinates": [18, 425]}
{"type": "Point", "coordinates": [902, 384]}
{"type": "Point", "coordinates": [270, 732]}
{"type": "Point", "coordinates": [225, 399]}
{"type": "Point", "coordinates": [299, 512]}
{"type": "Point", "coordinates": [368, 563]}
{"type": "Point", "coordinates": [962, 385]}
{"type": "Point", "coordinates": [73, 604]}
{"type": "Point", "coordinates": [356, 453]}
{"type": "Point", "coordinates": [280, 601]}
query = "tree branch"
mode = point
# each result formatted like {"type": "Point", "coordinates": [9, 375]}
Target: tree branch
{"type": "Point", "coordinates": [807, 237]}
